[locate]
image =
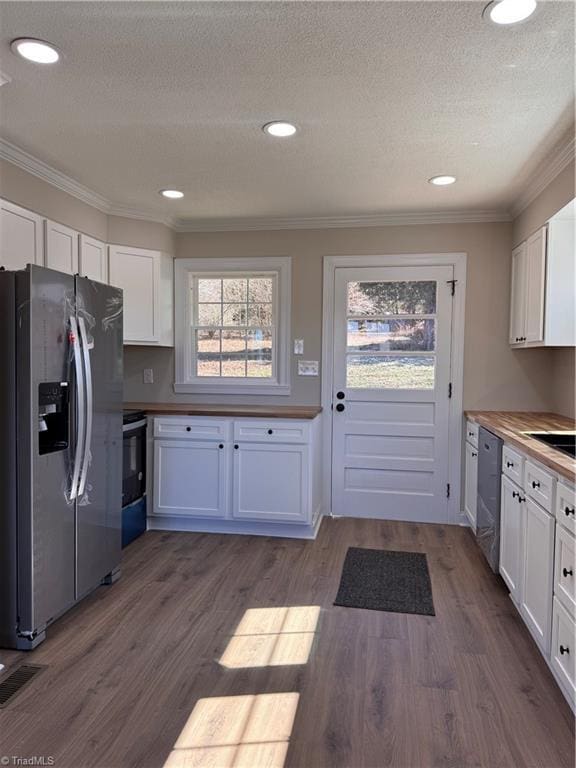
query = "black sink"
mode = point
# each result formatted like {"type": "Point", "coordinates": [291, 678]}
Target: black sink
{"type": "Point", "coordinates": [561, 441]}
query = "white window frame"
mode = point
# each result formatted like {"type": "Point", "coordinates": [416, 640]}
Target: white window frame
{"type": "Point", "coordinates": [277, 266]}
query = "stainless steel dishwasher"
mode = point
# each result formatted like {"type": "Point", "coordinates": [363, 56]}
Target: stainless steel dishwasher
{"type": "Point", "coordinates": [488, 507]}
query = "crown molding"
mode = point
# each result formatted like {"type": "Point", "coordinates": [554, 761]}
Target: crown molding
{"type": "Point", "coordinates": [117, 209]}
{"type": "Point", "coordinates": [42, 170]}
{"type": "Point", "coordinates": [27, 162]}
{"type": "Point", "coordinates": [545, 173]}
{"type": "Point", "coordinates": [36, 167]}
{"type": "Point", "coordinates": [340, 222]}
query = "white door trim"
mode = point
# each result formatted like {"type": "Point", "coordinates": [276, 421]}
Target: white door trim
{"type": "Point", "coordinates": [458, 261]}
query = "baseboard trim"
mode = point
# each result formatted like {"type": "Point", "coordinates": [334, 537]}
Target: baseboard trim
{"type": "Point", "coordinates": [239, 527]}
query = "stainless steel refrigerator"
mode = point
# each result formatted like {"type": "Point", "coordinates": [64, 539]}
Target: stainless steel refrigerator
{"type": "Point", "coordinates": [60, 446]}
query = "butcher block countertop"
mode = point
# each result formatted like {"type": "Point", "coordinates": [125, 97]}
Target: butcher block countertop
{"type": "Point", "coordinates": [511, 426]}
{"type": "Point", "coordinates": [235, 411]}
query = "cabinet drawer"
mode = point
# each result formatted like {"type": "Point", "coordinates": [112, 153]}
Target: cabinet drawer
{"type": "Point", "coordinates": [192, 428]}
{"type": "Point", "coordinates": [472, 430]}
{"type": "Point", "coordinates": [566, 506]}
{"type": "Point", "coordinates": [272, 431]}
{"type": "Point", "coordinates": [563, 651]}
{"type": "Point", "coordinates": [539, 485]}
{"type": "Point", "coordinates": [564, 581]}
{"type": "Point", "coordinates": [513, 465]}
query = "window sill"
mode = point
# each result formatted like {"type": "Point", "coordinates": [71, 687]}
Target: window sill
{"type": "Point", "coordinates": [231, 389]}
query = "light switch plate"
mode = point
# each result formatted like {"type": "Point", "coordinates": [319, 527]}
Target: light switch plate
{"type": "Point", "coordinates": [307, 367]}
{"type": "Point", "coordinates": [298, 346]}
{"type": "Point", "coordinates": [148, 375]}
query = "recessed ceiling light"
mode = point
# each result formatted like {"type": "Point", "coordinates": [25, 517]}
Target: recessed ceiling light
{"type": "Point", "coordinates": [509, 11]}
{"type": "Point", "coordinates": [442, 181]}
{"type": "Point", "coordinates": [173, 194]}
{"type": "Point", "coordinates": [37, 51]}
{"type": "Point", "coordinates": [280, 129]}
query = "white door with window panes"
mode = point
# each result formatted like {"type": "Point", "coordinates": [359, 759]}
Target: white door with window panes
{"type": "Point", "coordinates": [392, 338]}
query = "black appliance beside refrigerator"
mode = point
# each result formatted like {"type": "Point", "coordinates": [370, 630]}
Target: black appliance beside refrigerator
{"type": "Point", "coordinates": [134, 476]}
{"type": "Point", "coordinates": [60, 446]}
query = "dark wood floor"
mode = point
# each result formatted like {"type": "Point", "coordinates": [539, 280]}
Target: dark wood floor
{"type": "Point", "coordinates": [127, 667]}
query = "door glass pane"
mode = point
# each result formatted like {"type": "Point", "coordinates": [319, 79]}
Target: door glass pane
{"type": "Point", "coordinates": [417, 297]}
{"type": "Point", "coordinates": [390, 371]}
{"type": "Point", "coordinates": [391, 335]}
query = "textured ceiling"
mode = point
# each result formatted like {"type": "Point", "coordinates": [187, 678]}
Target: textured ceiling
{"type": "Point", "coordinates": [386, 94]}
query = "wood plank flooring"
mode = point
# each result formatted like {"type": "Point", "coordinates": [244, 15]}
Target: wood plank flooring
{"type": "Point", "coordinates": [129, 665]}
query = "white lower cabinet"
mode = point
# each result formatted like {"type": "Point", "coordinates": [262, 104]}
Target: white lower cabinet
{"type": "Point", "coordinates": [191, 478]}
{"type": "Point", "coordinates": [270, 482]}
{"type": "Point", "coordinates": [511, 537]}
{"type": "Point", "coordinates": [237, 475]}
{"type": "Point", "coordinates": [537, 558]}
{"type": "Point", "coordinates": [537, 571]}
{"type": "Point", "coordinates": [563, 650]}
{"type": "Point", "coordinates": [471, 484]}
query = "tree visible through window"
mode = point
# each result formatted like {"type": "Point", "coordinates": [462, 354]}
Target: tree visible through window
{"type": "Point", "coordinates": [233, 326]}
{"type": "Point", "coordinates": [391, 334]}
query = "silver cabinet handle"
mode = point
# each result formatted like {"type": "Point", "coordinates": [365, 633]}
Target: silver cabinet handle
{"type": "Point", "coordinates": [89, 405]}
{"type": "Point", "coordinates": [80, 406]}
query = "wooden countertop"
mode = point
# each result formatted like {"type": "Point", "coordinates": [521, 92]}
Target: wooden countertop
{"type": "Point", "coordinates": [511, 426]}
{"type": "Point", "coordinates": [259, 411]}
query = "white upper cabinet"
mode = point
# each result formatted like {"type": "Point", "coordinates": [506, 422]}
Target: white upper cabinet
{"type": "Point", "coordinates": [535, 282]}
{"type": "Point", "coordinates": [146, 278]}
{"type": "Point", "coordinates": [518, 295]}
{"type": "Point", "coordinates": [93, 259]}
{"type": "Point", "coordinates": [61, 248]}
{"type": "Point", "coordinates": [21, 237]}
{"type": "Point", "coordinates": [543, 291]}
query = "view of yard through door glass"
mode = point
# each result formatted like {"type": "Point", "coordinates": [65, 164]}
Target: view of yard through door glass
{"type": "Point", "coordinates": [233, 321]}
{"type": "Point", "coordinates": [391, 330]}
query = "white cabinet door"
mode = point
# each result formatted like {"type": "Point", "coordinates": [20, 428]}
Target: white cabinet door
{"type": "Point", "coordinates": [137, 272]}
{"type": "Point", "coordinates": [511, 536]}
{"type": "Point", "coordinates": [535, 286]}
{"type": "Point", "coordinates": [518, 295]}
{"type": "Point", "coordinates": [21, 237]}
{"type": "Point", "coordinates": [271, 483]}
{"type": "Point", "coordinates": [191, 478]}
{"type": "Point", "coordinates": [471, 484]}
{"type": "Point", "coordinates": [61, 248]}
{"type": "Point", "coordinates": [537, 573]}
{"type": "Point", "coordinates": [93, 259]}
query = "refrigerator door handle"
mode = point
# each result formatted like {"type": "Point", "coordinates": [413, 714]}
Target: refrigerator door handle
{"type": "Point", "coordinates": [89, 405]}
{"type": "Point", "coordinates": [80, 405]}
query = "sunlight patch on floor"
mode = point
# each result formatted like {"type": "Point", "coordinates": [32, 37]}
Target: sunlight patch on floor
{"type": "Point", "coordinates": [236, 732]}
{"type": "Point", "coordinates": [272, 637]}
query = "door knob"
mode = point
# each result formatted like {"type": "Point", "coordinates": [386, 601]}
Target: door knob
{"type": "Point", "coordinates": [535, 484]}
{"type": "Point", "coordinates": [340, 407]}
{"type": "Point", "coordinates": [568, 511]}
{"type": "Point", "coordinates": [340, 395]}
{"type": "Point", "coordinates": [567, 572]}
{"type": "Point", "coordinates": [564, 649]}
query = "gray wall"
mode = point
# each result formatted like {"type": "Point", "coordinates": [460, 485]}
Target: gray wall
{"type": "Point", "coordinates": [494, 375]}
{"type": "Point", "coordinates": [556, 195]}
